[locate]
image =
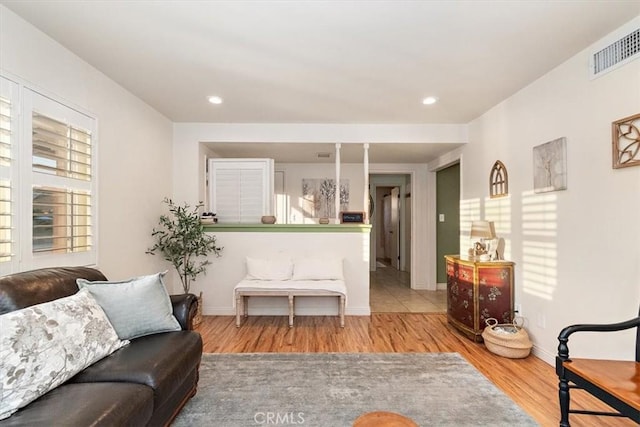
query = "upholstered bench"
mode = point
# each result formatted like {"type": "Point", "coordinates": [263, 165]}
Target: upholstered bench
{"type": "Point", "coordinates": [317, 277]}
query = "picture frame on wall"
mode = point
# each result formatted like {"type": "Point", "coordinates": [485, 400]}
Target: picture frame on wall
{"type": "Point", "coordinates": [625, 140]}
{"type": "Point", "coordinates": [550, 166]}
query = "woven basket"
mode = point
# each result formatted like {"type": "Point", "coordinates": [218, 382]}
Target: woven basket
{"type": "Point", "coordinates": [506, 339]}
{"type": "Point", "coordinates": [197, 319]}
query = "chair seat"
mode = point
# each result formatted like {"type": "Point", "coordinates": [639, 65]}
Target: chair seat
{"type": "Point", "coordinates": [619, 378]}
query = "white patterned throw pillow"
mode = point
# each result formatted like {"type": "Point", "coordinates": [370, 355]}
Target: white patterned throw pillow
{"type": "Point", "coordinates": [44, 345]}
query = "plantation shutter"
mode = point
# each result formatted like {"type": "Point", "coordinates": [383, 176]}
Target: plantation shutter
{"type": "Point", "coordinates": [241, 190]}
{"type": "Point", "coordinates": [8, 118]}
{"type": "Point", "coordinates": [62, 182]}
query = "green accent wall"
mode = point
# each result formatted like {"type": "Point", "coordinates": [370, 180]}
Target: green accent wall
{"type": "Point", "coordinates": [447, 203]}
{"type": "Point", "coordinates": [288, 228]}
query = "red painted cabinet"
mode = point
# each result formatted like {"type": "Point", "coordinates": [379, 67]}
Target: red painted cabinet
{"type": "Point", "coordinates": [477, 291]}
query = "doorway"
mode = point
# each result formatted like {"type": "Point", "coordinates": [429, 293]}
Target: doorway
{"type": "Point", "coordinates": [390, 221]}
{"type": "Point", "coordinates": [448, 220]}
{"type": "Point", "coordinates": [388, 236]}
{"type": "Point", "coordinates": [391, 242]}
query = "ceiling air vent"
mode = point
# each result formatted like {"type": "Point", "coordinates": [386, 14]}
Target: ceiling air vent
{"type": "Point", "coordinates": [324, 155]}
{"type": "Point", "coordinates": [616, 54]}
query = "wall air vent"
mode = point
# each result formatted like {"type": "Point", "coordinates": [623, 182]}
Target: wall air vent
{"type": "Point", "coordinates": [616, 54]}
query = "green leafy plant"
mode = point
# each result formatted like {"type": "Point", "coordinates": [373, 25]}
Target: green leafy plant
{"type": "Point", "coordinates": [181, 239]}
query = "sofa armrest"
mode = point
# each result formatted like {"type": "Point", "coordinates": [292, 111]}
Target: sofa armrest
{"type": "Point", "coordinates": [184, 309]}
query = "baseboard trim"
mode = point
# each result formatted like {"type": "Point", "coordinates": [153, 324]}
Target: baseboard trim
{"type": "Point", "coordinates": [266, 311]}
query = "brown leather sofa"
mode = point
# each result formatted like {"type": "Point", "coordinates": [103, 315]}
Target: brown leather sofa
{"type": "Point", "coordinates": [145, 383]}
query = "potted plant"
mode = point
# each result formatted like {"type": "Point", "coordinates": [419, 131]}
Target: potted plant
{"type": "Point", "coordinates": [181, 239]}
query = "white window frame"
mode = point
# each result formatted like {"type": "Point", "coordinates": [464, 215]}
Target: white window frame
{"type": "Point", "coordinates": [24, 100]}
{"type": "Point", "coordinates": [11, 90]}
{"type": "Point", "coordinates": [241, 190]}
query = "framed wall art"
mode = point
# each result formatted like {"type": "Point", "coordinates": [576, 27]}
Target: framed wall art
{"type": "Point", "coordinates": [625, 139]}
{"type": "Point", "coordinates": [498, 180]}
{"type": "Point", "coordinates": [550, 166]}
{"type": "Point", "coordinates": [319, 195]}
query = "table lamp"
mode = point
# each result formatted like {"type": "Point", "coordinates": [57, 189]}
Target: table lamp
{"type": "Point", "coordinates": [481, 231]}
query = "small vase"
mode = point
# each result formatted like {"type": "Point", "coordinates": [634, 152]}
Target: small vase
{"type": "Point", "coordinates": [268, 219]}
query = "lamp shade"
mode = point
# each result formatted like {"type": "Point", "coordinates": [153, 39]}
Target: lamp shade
{"type": "Point", "coordinates": [483, 230]}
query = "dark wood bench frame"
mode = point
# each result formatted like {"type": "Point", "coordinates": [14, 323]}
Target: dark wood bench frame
{"type": "Point", "coordinates": [601, 378]}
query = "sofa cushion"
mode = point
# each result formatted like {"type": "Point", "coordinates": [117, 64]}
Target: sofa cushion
{"type": "Point", "coordinates": [88, 404]}
{"type": "Point", "coordinates": [44, 345]}
{"type": "Point", "coordinates": [320, 268]}
{"type": "Point", "coordinates": [160, 361]}
{"type": "Point", "coordinates": [136, 307]}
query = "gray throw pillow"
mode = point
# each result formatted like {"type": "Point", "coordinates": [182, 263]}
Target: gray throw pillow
{"type": "Point", "coordinates": [135, 307]}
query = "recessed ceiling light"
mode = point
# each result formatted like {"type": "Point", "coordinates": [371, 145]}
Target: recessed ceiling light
{"type": "Point", "coordinates": [430, 100]}
{"type": "Point", "coordinates": [214, 99]}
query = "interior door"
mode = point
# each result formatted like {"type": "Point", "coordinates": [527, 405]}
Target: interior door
{"type": "Point", "coordinates": [388, 232]}
{"type": "Point", "coordinates": [394, 228]}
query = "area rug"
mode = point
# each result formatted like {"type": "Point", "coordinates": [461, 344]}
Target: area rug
{"type": "Point", "coordinates": [333, 389]}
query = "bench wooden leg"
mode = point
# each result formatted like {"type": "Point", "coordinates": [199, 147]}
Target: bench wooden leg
{"type": "Point", "coordinates": [341, 310]}
{"type": "Point", "coordinates": [239, 308]}
{"type": "Point", "coordinates": [290, 311]}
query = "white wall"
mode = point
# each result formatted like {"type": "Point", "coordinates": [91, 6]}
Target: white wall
{"type": "Point", "coordinates": [294, 173]}
{"type": "Point", "coordinates": [134, 143]}
{"type": "Point", "coordinates": [225, 272]}
{"type": "Point", "coordinates": [188, 177]}
{"type": "Point", "coordinates": [577, 252]}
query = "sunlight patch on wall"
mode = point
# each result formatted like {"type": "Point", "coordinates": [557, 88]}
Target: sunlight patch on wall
{"type": "Point", "coordinates": [499, 211]}
{"type": "Point", "coordinates": [539, 247]}
{"type": "Point", "coordinates": [282, 207]}
{"type": "Point", "coordinates": [469, 211]}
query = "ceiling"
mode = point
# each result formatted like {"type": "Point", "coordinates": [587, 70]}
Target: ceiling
{"type": "Point", "coordinates": [310, 61]}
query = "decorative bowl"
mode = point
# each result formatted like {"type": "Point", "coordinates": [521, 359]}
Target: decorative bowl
{"type": "Point", "coordinates": [268, 219]}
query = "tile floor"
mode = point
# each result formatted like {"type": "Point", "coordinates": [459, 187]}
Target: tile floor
{"type": "Point", "coordinates": [390, 292]}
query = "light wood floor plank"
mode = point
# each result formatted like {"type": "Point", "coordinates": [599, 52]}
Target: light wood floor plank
{"type": "Point", "coordinates": [530, 382]}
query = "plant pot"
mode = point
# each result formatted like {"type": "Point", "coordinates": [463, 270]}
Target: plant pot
{"type": "Point", "coordinates": [197, 319]}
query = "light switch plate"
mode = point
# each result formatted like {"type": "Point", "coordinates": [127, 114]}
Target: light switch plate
{"type": "Point", "coordinates": [441, 217]}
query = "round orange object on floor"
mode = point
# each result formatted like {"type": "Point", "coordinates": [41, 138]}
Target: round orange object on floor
{"type": "Point", "coordinates": [383, 419]}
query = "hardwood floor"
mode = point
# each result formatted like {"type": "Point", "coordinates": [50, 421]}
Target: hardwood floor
{"type": "Point", "coordinates": [530, 382]}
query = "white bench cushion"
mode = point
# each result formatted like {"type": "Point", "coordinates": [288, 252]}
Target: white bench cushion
{"type": "Point", "coordinates": [337, 286]}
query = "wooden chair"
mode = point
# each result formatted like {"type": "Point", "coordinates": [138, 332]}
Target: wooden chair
{"type": "Point", "coordinates": [615, 382]}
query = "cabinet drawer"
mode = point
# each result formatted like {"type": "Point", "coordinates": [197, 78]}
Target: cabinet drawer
{"type": "Point", "coordinates": [495, 296]}
{"type": "Point", "coordinates": [460, 293]}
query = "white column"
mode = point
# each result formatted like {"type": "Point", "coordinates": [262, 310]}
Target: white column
{"type": "Point", "coordinates": [337, 220]}
{"type": "Point", "coordinates": [366, 183]}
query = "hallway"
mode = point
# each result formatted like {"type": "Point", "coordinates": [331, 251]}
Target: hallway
{"type": "Point", "coordinates": [390, 292]}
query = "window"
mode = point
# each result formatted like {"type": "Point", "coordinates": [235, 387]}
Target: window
{"type": "Point", "coordinates": [61, 220]}
{"type": "Point", "coordinates": [47, 182]}
{"type": "Point", "coordinates": [241, 190]}
{"type": "Point", "coordinates": [62, 183]}
{"type": "Point", "coordinates": [8, 146]}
